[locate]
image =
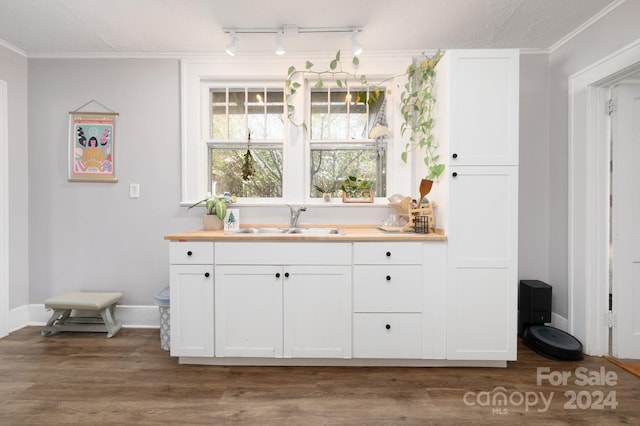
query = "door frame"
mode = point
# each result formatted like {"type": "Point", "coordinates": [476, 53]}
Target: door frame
{"type": "Point", "coordinates": [4, 211]}
{"type": "Point", "coordinates": [588, 215]}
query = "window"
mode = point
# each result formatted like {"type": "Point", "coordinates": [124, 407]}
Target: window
{"type": "Point", "coordinates": [341, 142]}
{"type": "Point", "coordinates": [246, 122]}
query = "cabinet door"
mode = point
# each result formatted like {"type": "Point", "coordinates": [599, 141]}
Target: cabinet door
{"type": "Point", "coordinates": [248, 311]}
{"type": "Point", "coordinates": [191, 311]}
{"type": "Point", "coordinates": [483, 106]}
{"type": "Point", "coordinates": [317, 311]}
{"type": "Point", "coordinates": [482, 288]}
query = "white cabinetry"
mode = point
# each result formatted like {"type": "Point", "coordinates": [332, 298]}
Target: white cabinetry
{"type": "Point", "coordinates": [191, 298]}
{"type": "Point", "coordinates": [387, 300]}
{"type": "Point", "coordinates": [477, 123]}
{"type": "Point", "coordinates": [283, 300]}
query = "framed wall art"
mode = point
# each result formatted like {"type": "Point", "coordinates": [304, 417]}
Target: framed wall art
{"type": "Point", "coordinates": [92, 138]}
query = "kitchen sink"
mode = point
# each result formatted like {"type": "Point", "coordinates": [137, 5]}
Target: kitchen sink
{"type": "Point", "coordinates": [287, 231]}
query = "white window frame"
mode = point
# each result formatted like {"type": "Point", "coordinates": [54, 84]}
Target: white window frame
{"type": "Point", "coordinates": [205, 121]}
{"type": "Point", "coordinates": [196, 73]}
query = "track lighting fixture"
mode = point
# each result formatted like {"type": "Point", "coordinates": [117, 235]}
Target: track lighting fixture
{"type": "Point", "coordinates": [231, 47]}
{"type": "Point", "coordinates": [287, 31]}
{"type": "Point", "coordinates": [279, 44]}
{"type": "Point", "coordinates": [356, 48]}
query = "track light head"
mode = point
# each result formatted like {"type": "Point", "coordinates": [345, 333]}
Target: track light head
{"type": "Point", "coordinates": [231, 47]}
{"type": "Point", "coordinates": [280, 50]}
{"type": "Point", "coordinates": [356, 48]}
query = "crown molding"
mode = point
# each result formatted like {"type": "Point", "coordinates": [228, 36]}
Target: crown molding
{"type": "Point", "coordinates": [595, 18]}
{"type": "Point", "coordinates": [13, 48]}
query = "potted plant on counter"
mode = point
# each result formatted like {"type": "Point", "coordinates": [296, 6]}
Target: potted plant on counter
{"type": "Point", "coordinates": [216, 210]}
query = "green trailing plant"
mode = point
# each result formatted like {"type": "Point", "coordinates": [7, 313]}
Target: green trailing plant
{"type": "Point", "coordinates": [214, 205]}
{"type": "Point", "coordinates": [355, 187]}
{"type": "Point", "coordinates": [335, 73]}
{"type": "Point", "coordinates": [417, 103]}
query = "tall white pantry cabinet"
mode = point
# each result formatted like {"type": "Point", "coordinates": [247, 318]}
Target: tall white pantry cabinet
{"type": "Point", "coordinates": [477, 127]}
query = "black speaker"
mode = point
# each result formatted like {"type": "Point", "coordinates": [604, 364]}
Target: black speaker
{"type": "Point", "coordinates": [534, 304]}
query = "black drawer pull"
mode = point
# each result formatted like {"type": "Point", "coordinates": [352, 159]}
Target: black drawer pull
{"type": "Point", "coordinates": [455, 155]}
{"type": "Point", "coordinates": [388, 326]}
{"type": "Point", "coordinates": [189, 253]}
{"type": "Point", "coordinates": [454, 174]}
{"type": "Point", "coordinates": [277, 274]}
{"type": "Point", "coordinates": [388, 254]}
{"type": "Point", "coordinates": [286, 275]}
{"type": "Point", "coordinates": [388, 277]}
{"type": "Point", "coordinates": [206, 275]}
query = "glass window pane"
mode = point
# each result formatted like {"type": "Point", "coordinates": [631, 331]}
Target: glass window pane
{"type": "Point", "coordinates": [226, 171]}
{"type": "Point", "coordinates": [256, 113]}
{"type": "Point", "coordinates": [358, 111]}
{"type": "Point", "coordinates": [237, 115]}
{"type": "Point", "coordinates": [275, 115]}
{"type": "Point", "coordinates": [319, 115]}
{"type": "Point", "coordinates": [332, 164]}
{"type": "Point", "coordinates": [338, 122]}
{"type": "Point", "coordinates": [219, 114]}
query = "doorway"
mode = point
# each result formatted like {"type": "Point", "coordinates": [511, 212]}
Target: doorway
{"type": "Point", "coordinates": [625, 227]}
{"type": "Point", "coordinates": [589, 191]}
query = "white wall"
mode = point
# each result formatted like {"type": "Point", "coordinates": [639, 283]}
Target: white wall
{"type": "Point", "coordinates": [13, 70]}
{"type": "Point", "coordinates": [92, 236]}
{"type": "Point", "coordinates": [615, 30]}
{"type": "Point", "coordinates": [533, 202]}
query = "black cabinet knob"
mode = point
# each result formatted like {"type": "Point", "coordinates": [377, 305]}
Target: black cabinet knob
{"type": "Point", "coordinates": [206, 275]}
{"type": "Point", "coordinates": [388, 277]}
{"type": "Point", "coordinates": [454, 174]}
{"type": "Point", "coordinates": [189, 253]}
{"type": "Point", "coordinates": [455, 155]}
{"type": "Point", "coordinates": [277, 274]}
{"type": "Point", "coordinates": [388, 254]}
{"type": "Point", "coordinates": [286, 275]}
{"type": "Point", "coordinates": [388, 326]}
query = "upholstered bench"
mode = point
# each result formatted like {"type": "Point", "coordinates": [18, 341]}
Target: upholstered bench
{"type": "Point", "coordinates": [103, 303]}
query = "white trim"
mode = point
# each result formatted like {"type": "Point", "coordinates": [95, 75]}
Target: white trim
{"type": "Point", "coordinates": [4, 210]}
{"type": "Point", "coordinates": [595, 18]}
{"type": "Point", "coordinates": [559, 322]}
{"type": "Point", "coordinates": [588, 219]}
{"type": "Point", "coordinates": [131, 316]}
{"type": "Point", "coordinates": [11, 47]}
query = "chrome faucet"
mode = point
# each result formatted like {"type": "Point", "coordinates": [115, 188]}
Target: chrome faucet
{"type": "Point", "coordinates": [295, 214]}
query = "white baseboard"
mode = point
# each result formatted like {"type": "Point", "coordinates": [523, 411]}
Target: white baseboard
{"type": "Point", "coordinates": [559, 322]}
{"type": "Point", "coordinates": [131, 316]}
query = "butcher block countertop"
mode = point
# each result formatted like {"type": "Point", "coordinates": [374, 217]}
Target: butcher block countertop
{"type": "Point", "coordinates": [348, 233]}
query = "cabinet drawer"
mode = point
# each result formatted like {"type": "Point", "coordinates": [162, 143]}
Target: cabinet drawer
{"type": "Point", "coordinates": [191, 253]}
{"type": "Point", "coordinates": [387, 336]}
{"type": "Point", "coordinates": [387, 253]}
{"type": "Point", "coordinates": [387, 288]}
{"type": "Point", "coordinates": [285, 253]}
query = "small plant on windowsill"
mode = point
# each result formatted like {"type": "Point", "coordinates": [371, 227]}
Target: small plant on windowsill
{"type": "Point", "coordinates": [324, 188]}
{"type": "Point", "coordinates": [356, 190]}
{"type": "Point", "coordinates": [215, 210]}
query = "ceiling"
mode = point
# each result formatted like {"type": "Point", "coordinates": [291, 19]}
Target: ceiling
{"type": "Point", "coordinates": [50, 28]}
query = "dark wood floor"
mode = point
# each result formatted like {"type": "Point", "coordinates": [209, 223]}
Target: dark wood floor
{"type": "Point", "coordinates": [84, 378]}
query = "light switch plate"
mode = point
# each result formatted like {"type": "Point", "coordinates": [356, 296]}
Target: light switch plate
{"type": "Point", "coordinates": [134, 190]}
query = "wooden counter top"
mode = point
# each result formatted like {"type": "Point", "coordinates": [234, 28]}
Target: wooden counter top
{"type": "Point", "coordinates": [350, 233]}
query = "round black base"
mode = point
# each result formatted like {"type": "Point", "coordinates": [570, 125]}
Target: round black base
{"type": "Point", "coordinates": [552, 343]}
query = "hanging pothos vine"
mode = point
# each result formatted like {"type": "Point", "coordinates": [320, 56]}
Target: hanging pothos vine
{"type": "Point", "coordinates": [248, 166]}
{"type": "Point", "coordinates": [336, 73]}
{"type": "Point", "coordinates": [417, 101]}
